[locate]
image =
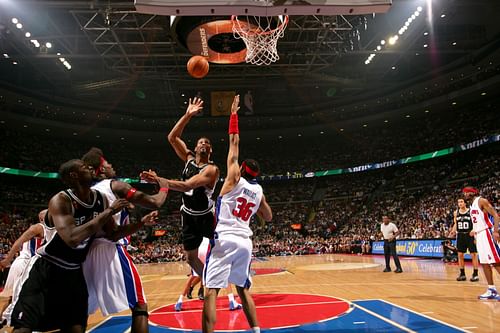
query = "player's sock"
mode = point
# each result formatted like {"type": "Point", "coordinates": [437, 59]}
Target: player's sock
{"type": "Point", "coordinates": [180, 299]}
{"type": "Point", "coordinates": [231, 297]}
{"type": "Point", "coordinates": [462, 271]}
{"type": "Point", "coordinates": [492, 287]}
{"type": "Point", "coordinates": [475, 272]}
{"type": "Point", "coordinates": [256, 329]}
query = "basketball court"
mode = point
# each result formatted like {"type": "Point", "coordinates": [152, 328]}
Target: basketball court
{"type": "Point", "coordinates": [325, 293]}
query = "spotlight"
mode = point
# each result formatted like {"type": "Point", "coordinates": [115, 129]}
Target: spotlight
{"type": "Point", "coordinates": [454, 43]}
{"type": "Point", "coordinates": [392, 40]}
{"type": "Point", "coordinates": [379, 47]}
{"type": "Point", "coordinates": [443, 15]}
{"type": "Point", "coordinates": [426, 33]}
{"type": "Point", "coordinates": [382, 42]}
{"type": "Point", "coordinates": [416, 13]}
{"type": "Point", "coordinates": [425, 45]}
{"type": "Point", "coordinates": [419, 8]}
{"type": "Point", "coordinates": [413, 17]}
{"type": "Point", "coordinates": [393, 67]}
{"type": "Point", "coordinates": [19, 26]}
{"type": "Point", "coordinates": [14, 20]}
{"type": "Point", "coordinates": [48, 45]}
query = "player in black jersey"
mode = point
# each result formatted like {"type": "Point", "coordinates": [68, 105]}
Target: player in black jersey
{"type": "Point", "coordinates": [462, 227]}
{"type": "Point", "coordinates": [199, 178]}
{"type": "Point", "coordinates": [54, 294]}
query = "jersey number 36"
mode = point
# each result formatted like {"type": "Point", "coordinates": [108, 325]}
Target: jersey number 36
{"type": "Point", "coordinates": [244, 209]}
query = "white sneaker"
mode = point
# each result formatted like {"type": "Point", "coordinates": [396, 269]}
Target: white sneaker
{"type": "Point", "coordinates": [490, 294]}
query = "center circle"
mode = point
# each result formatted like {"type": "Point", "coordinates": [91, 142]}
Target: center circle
{"type": "Point", "coordinates": [273, 311]}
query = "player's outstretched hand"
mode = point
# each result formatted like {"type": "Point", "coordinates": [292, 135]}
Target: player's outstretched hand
{"type": "Point", "coordinates": [194, 107]}
{"type": "Point", "coordinates": [118, 205]}
{"type": "Point", "coordinates": [149, 176]}
{"type": "Point", "coordinates": [150, 219]}
{"type": "Point", "coordinates": [236, 104]}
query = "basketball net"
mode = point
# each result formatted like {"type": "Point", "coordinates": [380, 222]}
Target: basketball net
{"type": "Point", "coordinates": [260, 35]}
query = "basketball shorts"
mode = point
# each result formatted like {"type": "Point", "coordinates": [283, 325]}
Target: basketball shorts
{"type": "Point", "coordinates": [228, 262]}
{"type": "Point", "coordinates": [113, 281]}
{"type": "Point", "coordinates": [195, 227]}
{"type": "Point", "coordinates": [487, 249]}
{"type": "Point", "coordinates": [466, 241]}
{"type": "Point", "coordinates": [15, 272]}
{"type": "Point", "coordinates": [50, 297]}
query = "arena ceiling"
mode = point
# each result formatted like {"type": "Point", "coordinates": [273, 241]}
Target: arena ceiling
{"type": "Point", "coordinates": [121, 59]}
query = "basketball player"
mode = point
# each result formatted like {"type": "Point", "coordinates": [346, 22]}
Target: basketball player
{"type": "Point", "coordinates": [112, 279]}
{"type": "Point", "coordinates": [199, 178]}
{"type": "Point", "coordinates": [194, 279]}
{"type": "Point", "coordinates": [26, 245]}
{"type": "Point", "coordinates": [487, 237]}
{"type": "Point", "coordinates": [53, 293]}
{"type": "Point", "coordinates": [231, 253]}
{"type": "Point", "coordinates": [462, 226]}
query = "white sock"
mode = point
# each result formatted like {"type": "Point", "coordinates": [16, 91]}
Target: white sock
{"type": "Point", "coordinates": [256, 329]}
{"type": "Point", "coordinates": [492, 287]}
{"type": "Point", "coordinates": [231, 297]}
{"type": "Point", "coordinates": [180, 299]}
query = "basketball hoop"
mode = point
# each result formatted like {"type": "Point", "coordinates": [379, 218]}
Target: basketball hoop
{"type": "Point", "coordinates": [260, 35]}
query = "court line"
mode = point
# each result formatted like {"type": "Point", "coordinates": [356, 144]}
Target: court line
{"type": "Point", "coordinates": [401, 327]}
{"type": "Point", "coordinates": [420, 314]}
{"type": "Point", "coordinates": [99, 324]}
{"type": "Point", "coordinates": [258, 307]}
{"type": "Point", "coordinates": [469, 327]}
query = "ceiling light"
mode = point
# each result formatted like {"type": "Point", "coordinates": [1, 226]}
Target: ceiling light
{"type": "Point", "coordinates": [454, 103]}
{"type": "Point", "coordinates": [419, 8]}
{"type": "Point", "coordinates": [425, 45]}
{"type": "Point", "coordinates": [379, 47]}
{"type": "Point", "coordinates": [393, 67]}
{"type": "Point", "coordinates": [321, 132]}
{"type": "Point", "coordinates": [407, 116]}
{"type": "Point", "coordinates": [14, 63]}
{"type": "Point", "coordinates": [416, 13]}
{"type": "Point", "coordinates": [401, 31]}
{"type": "Point", "coordinates": [386, 121]}
{"type": "Point", "coordinates": [27, 34]}
{"type": "Point", "coordinates": [341, 129]}
{"type": "Point", "coordinates": [483, 94]}
{"type": "Point", "coordinates": [19, 26]}
{"type": "Point", "coordinates": [48, 44]}
{"type": "Point", "coordinates": [5, 55]}
{"type": "Point", "coordinates": [382, 42]}
{"type": "Point", "coordinates": [454, 43]}
{"type": "Point", "coordinates": [365, 125]}
{"type": "Point", "coordinates": [443, 15]}
{"type": "Point", "coordinates": [426, 111]}
{"type": "Point", "coordinates": [367, 62]}
{"type": "Point", "coordinates": [426, 33]}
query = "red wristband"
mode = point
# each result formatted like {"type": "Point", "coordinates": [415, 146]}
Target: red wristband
{"type": "Point", "coordinates": [233, 124]}
{"type": "Point", "coordinates": [164, 189]}
{"type": "Point", "coordinates": [130, 193]}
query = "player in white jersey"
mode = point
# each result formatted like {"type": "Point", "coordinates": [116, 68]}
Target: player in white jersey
{"type": "Point", "coordinates": [487, 237]}
{"type": "Point", "coordinates": [231, 253]}
{"type": "Point", "coordinates": [194, 279]}
{"type": "Point", "coordinates": [113, 281]}
{"type": "Point", "coordinates": [28, 242]}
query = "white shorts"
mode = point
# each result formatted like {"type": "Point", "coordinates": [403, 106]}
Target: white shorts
{"type": "Point", "coordinates": [16, 270]}
{"type": "Point", "coordinates": [203, 249]}
{"type": "Point", "coordinates": [113, 283]}
{"type": "Point", "coordinates": [228, 262]}
{"type": "Point", "coordinates": [487, 249]}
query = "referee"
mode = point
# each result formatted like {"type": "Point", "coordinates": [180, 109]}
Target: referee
{"type": "Point", "coordinates": [390, 231]}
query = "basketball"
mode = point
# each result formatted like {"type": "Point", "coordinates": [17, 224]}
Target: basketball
{"type": "Point", "coordinates": [198, 66]}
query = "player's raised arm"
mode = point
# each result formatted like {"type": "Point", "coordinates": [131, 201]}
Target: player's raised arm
{"type": "Point", "coordinates": [233, 167]}
{"type": "Point", "coordinates": [174, 137]}
{"type": "Point", "coordinates": [36, 230]}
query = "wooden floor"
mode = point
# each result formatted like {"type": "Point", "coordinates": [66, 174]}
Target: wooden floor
{"type": "Point", "coordinates": [425, 286]}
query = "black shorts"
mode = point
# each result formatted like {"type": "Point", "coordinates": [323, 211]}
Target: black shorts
{"type": "Point", "coordinates": [466, 241]}
{"type": "Point", "coordinates": [195, 227]}
{"type": "Point", "coordinates": [51, 298]}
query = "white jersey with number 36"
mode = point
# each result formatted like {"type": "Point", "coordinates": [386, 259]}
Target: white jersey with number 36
{"type": "Point", "coordinates": [235, 209]}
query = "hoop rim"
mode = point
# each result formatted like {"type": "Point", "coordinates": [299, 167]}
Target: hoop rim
{"type": "Point", "coordinates": [234, 19]}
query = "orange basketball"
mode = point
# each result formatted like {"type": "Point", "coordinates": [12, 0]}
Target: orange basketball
{"type": "Point", "coordinates": [198, 66]}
